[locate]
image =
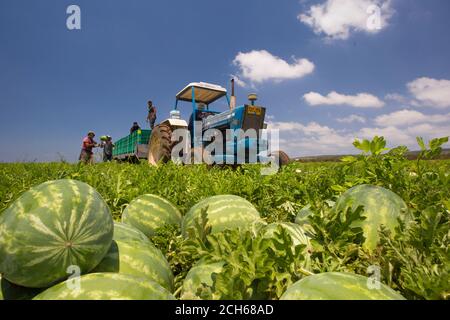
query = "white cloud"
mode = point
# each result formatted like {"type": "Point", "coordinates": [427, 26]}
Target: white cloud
{"type": "Point", "coordinates": [431, 92]}
{"type": "Point", "coordinates": [361, 100]}
{"type": "Point", "coordinates": [338, 18]}
{"type": "Point", "coordinates": [310, 139]}
{"type": "Point", "coordinates": [409, 117]}
{"type": "Point", "coordinates": [396, 98]}
{"type": "Point", "coordinates": [260, 66]}
{"type": "Point", "coordinates": [352, 118]}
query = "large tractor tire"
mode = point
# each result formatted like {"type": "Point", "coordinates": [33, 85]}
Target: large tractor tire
{"type": "Point", "coordinates": [281, 158]}
{"type": "Point", "coordinates": [160, 145]}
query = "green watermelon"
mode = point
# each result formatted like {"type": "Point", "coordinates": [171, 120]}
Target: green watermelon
{"type": "Point", "coordinates": [150, 212]}
{"type": "Point", "coordinates": [139, 259]}
{"type": "Point", "coordinates": [339, 286]}
{"type": "Point", "coordinates": [296, 232]}
{"type": "Point", "coordinates": [223, 212]}
{"type": "Point", "coordinates": [198, 282]}
{"type": "Point", "coordinates": [124, 232]}
{"type": "Point", "coordinates": [381, 207]}
{"type": "Point", "coordinates": [302, 216]}
{"type": "Point", "coordinates": [10, 291]}
{"type": "Point", "coordinates": [50, 228]}
{"type": "Point", "coordinates": [106, 286]}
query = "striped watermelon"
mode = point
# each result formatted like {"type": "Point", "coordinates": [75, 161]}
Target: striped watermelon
{"type": "Point", "coordinates": [339, 286]}
{"type": "Point", "coordinates": [139, 259]}
{"type": "Point", "coordinates": [381, 207]}
{"type": "Point", "coordinates": [302, 216]}
{"type": "Point", "coordinates": [106, 286]}
{"type": "Point", "coordinates": [296, 232]}
{"type": "Point", "coordinates": [51, 227]}
{"type": "Point", "coordinates": [10, 291]}
{"type": "Point", "coordinates": [223, 212]}
{"type": "Point", "coordinates": [124, 232]}
{"type": "Point", "coordinates": [198, 282]}
{"type": "Point", "coordinates": [150, 212]}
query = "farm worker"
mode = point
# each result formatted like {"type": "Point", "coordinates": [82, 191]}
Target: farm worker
{"type": "Point", "coordinates": [108, 147]}
{"type": "Point", "coordinates": [135, 127]}
{"type": "Point", "coordinates": [151, 117]}
{"type": "Point", "coordinates": [87, 155]}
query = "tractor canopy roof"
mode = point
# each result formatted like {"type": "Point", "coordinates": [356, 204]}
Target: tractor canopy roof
{"type": "Point", "coordinates": [203, 92]}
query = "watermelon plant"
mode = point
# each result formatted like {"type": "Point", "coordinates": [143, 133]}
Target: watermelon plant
{"type": "Point", "coordinates": [411, 256]}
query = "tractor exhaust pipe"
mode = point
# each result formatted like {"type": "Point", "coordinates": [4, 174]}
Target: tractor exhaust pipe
{"type": "Point", "coordinates": [233, 97]}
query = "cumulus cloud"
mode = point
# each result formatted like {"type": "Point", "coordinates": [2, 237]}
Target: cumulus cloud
{"type": "Point", "coordinates": [337, 19]}
{"type": "Point", "coordinates": [431, 92]}
{"type": "Point", "coordinates": [361, 100]}
{"type": "Point", "coordinates": [260, 66]}
{"type": "Point", "coordinates": [299, 139]}
{"type": "Point", "coordinates": [351, 119]}
{"type": "Point", "coordinates": [409, 117]}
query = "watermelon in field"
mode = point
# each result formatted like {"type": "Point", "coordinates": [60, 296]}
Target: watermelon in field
{"type": "Point", "coordinates": [381, 207]}
{"type": "Point", "coordinates": [339, 286]}
{"type": "Point", "coordinates": [106, 286]}
{"type": "Point", "coordinates": [198, 282]}
{"type": "Point", "coordinates": [150, 212]}
{"type": "Point", "coordinates": [124, 232]}
{"type": "Point", "coordinates": [10, 291]}
{"type": "Point", "coordinates": [53, 226]}
{"type": "Point", "coordinates": [297, 233]}
{"type": "Point", "coordinates": [139, 259]}
{"type": "Point", "coordinates": [223, 212]}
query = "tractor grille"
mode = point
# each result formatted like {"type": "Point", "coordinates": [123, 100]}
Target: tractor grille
{"type": "Point", "coordinates": [253, 117]}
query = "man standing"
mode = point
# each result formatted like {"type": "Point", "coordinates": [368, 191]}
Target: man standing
{"type": "Point", "coordinates": [151, 117]}
{"type": "Point", "coordinates": [107, 146]}
{"type": "Point", "coordinates": [87, 155]}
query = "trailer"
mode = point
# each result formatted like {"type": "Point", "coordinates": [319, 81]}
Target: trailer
{"type": "Point", "coordinates": [132, 147]}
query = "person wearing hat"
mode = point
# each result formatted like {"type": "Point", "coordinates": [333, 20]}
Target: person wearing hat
{"type": "Point", "coordinates": [87, 154]}
{"type": "Point", "coordinates": [108, 147]}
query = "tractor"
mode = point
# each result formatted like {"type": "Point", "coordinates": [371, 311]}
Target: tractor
{"type": "Point", "coordinates": [234, 147]}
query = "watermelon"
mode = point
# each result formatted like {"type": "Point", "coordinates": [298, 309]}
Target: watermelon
{"type": "Point", "coordinates": [150, 212]}
{"type": "Point", "coordinates": [106, 286]}
{"type": "Point", "coordinates": [198, 282]}
{"type": "Point", "coordinates": [124, 232]}
{"type": "Point", "coordinates": [296, 232]}
{"type": "Point", "coordinates": [381, 207]}
{"type": "Point", "coordinates": [50, 228]}
{"type": "Point", "coordinates": [302, 216]}
{"type": "Point", "coordinates": [223, 212]}
{"type": "Point", "coordinates": [139, 259]}
{"type": "Point", "coordinates": [339, 286]}
{"type": "Point", "coordinates": [10, 291]}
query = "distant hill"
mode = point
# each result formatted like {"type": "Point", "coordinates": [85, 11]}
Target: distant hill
{"type": "Point", "coordinates": [412, 155]}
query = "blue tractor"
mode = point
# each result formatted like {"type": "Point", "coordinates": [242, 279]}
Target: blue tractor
{"type": "Point", "coordinates": [239, 128]}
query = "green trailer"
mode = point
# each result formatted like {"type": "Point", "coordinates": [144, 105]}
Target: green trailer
{"type": "Point", "coordinates": [133, 146]}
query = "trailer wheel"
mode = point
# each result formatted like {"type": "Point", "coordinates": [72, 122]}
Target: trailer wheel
{"type": "Point", "coordinates": [281, 158]}
{"type": "Point", "coordinates": [160, 145]}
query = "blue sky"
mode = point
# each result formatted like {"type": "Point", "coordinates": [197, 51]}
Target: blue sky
{"type": "Point", "coordinates": [324, 77]}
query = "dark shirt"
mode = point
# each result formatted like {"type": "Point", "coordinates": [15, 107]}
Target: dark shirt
{"type": "Point", "coordinates": [108, 148]}
{"type": "Point", "coordinates": [134, 128]}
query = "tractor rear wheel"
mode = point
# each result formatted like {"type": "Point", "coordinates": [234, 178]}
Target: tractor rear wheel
{"type": "Point", "coordinates": [281, 158]}
{"type": "Point", "coordinates": [160, 145]}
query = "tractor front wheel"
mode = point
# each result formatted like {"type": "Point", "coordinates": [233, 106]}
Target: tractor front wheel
{"type": "Point", "coordinates": [160, 145]}
{"type": "Point", "coordinates": [281, 158]}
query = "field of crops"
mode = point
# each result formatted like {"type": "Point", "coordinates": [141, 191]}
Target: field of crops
{"type": "Point", "coordinates": [414, 261]}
